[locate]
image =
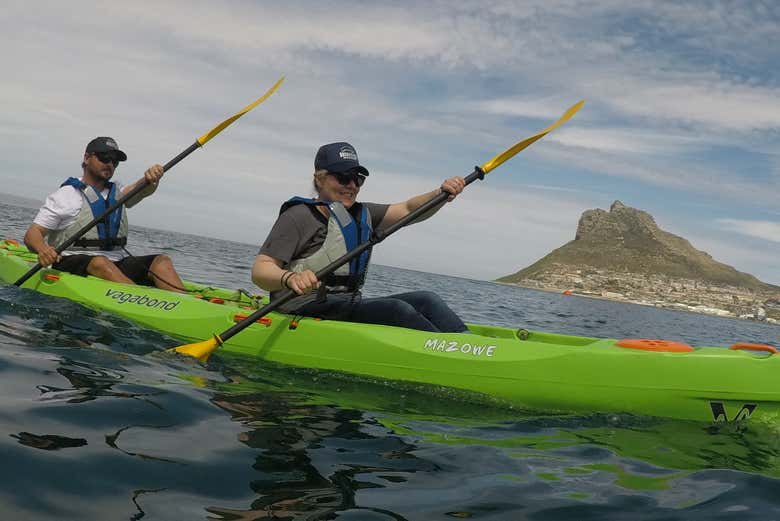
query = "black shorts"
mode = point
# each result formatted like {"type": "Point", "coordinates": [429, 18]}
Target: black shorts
{"type": "Point", "coordinates": [134, 268]}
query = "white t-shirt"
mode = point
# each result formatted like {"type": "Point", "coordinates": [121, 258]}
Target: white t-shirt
{"type": "Point", "coordinates": [60, 210]}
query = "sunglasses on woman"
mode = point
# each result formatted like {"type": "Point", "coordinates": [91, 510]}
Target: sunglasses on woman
{"type": "Point", "coordinates": [344, 178]}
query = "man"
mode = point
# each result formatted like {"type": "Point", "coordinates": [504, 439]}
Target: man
{"type": "Point", "coordinates": [100, 252]}
{"type": "Point", "coordinates": [310, 233]}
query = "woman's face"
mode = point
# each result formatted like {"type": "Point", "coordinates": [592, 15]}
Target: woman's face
{"type": "Point", "coordinates": [341, 187]}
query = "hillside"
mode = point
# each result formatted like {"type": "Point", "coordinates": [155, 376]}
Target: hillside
{"type": "Point", "coordinates": [625, 239]}
{"type": "Point", "coordinates": [623, 254]}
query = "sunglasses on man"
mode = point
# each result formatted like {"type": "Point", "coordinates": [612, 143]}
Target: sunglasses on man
{"type": "Point", "coordinates": [344, 178]}
{"type": "Point", "coordinates": [107, 158]}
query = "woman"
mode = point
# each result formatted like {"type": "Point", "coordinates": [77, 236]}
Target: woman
{"type": "Point", "coordinates": [311, 233]}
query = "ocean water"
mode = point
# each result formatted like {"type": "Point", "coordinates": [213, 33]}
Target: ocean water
{"type": "Point", "coordinates": [94, 425]}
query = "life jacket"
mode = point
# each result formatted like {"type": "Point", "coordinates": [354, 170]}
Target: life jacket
{"type": "Point", "coordinates": [344, 234]}
{"type": "Point", "coordinates": [107, 234]}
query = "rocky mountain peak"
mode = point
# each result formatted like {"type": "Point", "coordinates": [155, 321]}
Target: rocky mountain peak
{"type": "Point", "coordinates": [617, 205]}
{"type": "Point", "coordinates": [628, 240]}
{"type": "Point", "coordinates": [619, 222]}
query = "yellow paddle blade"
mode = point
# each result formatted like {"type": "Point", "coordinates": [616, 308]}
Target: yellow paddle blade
{"type": "Point", "coordinates": [222, 126]}
{"type": "Point", "coordinates": [197, 381]}
{"type": "Point", "coordinates": [199, 350]}
{"type": "Point", "coordinates": [500, 158]}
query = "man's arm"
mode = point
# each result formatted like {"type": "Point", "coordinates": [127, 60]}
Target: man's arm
{"type": "Point", "coordinates": [35, 240]}
{"type": "Point", "coordinates": [152, 177]}
{"type": "Point", "coordinates": [397, 211]}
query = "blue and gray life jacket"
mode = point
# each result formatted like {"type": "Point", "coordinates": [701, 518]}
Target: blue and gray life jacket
{"type": "Point", "coordinates": [344, 234]}
{"type": "Point", "coordinates": [109, 233]}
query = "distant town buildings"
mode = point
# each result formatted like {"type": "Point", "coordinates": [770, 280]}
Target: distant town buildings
{"type": "Point", "coordinates": [660, 291]}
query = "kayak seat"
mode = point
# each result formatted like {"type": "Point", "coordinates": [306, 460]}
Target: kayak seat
{"type": "Point", "coordinates": [647, 344]}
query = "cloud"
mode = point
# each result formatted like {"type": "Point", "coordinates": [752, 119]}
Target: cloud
{"type": "Point", "coordinates": [766, 230]}
{"type": "Point", "coordinates": [625, 141]}
{"type": "Point", "coordinates": [711, 102]}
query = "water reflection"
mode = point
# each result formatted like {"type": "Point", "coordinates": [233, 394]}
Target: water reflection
{"type": "Point", "coordinates": [48, 441]}
{"type": "Point", "coordinates": [321, 458]}
{"type": "Point", "coordinates": [311, 457]}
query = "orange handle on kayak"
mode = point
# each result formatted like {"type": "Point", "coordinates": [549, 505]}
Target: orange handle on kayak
{"type": "Point", "coordinates": [754, 347]}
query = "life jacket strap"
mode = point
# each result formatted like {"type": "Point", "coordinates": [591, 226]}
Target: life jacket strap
{"type": "Point", "coordinates": [103, 244]}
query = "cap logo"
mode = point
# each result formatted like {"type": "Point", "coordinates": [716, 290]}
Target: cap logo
{"type": "Point", "coordinates": [110, 143]}
{"type": "Point", "coordinates": [348, 153]}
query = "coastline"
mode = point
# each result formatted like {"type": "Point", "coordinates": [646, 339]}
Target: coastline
{"type": "Point", "coordinates": [659, 303]}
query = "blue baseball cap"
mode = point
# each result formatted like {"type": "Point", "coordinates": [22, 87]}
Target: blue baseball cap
{"type": "Point", "coordinates": [338, 157]}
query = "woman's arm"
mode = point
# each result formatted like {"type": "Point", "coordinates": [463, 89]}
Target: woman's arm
{"type": "Point", "coordinates": [397, 211]}
{"type": "Point", "coordinates": [268, 273]}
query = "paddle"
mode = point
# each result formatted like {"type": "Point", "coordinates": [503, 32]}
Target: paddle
{"type": "Point", "coordinates": [143, 184]}
{"type": "Point", "coordinates": [202, 350]}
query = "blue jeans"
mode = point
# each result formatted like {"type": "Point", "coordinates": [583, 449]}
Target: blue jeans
{"type": "Point", "coordinates": [423, 310]}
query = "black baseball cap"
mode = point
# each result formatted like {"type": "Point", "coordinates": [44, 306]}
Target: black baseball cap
{"type": "Point", "coordinates": [105, 144]}
{"type": "Point", "coordinates": [338, 157]}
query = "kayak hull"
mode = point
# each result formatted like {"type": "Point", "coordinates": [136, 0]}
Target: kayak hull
{"type": "Point", "coordinates": [534, 370]}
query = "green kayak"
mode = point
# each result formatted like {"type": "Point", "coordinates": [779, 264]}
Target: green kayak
{"type": "Point", "coordinates": [539, 371]}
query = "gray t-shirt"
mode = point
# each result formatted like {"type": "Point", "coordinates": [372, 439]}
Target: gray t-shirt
{"type": "Point", "coordinates": [298, 233]}
{"type": "Point", "coordinates": [301, 229]}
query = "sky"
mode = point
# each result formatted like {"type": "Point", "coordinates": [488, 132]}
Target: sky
{"type": "Point", "coordinates": [681, 116]}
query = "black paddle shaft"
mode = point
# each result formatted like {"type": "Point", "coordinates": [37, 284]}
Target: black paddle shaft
{"type": "Point", "coordinates": [122, 200]}
{"type": "Point", "coordinates": [376, 237]}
